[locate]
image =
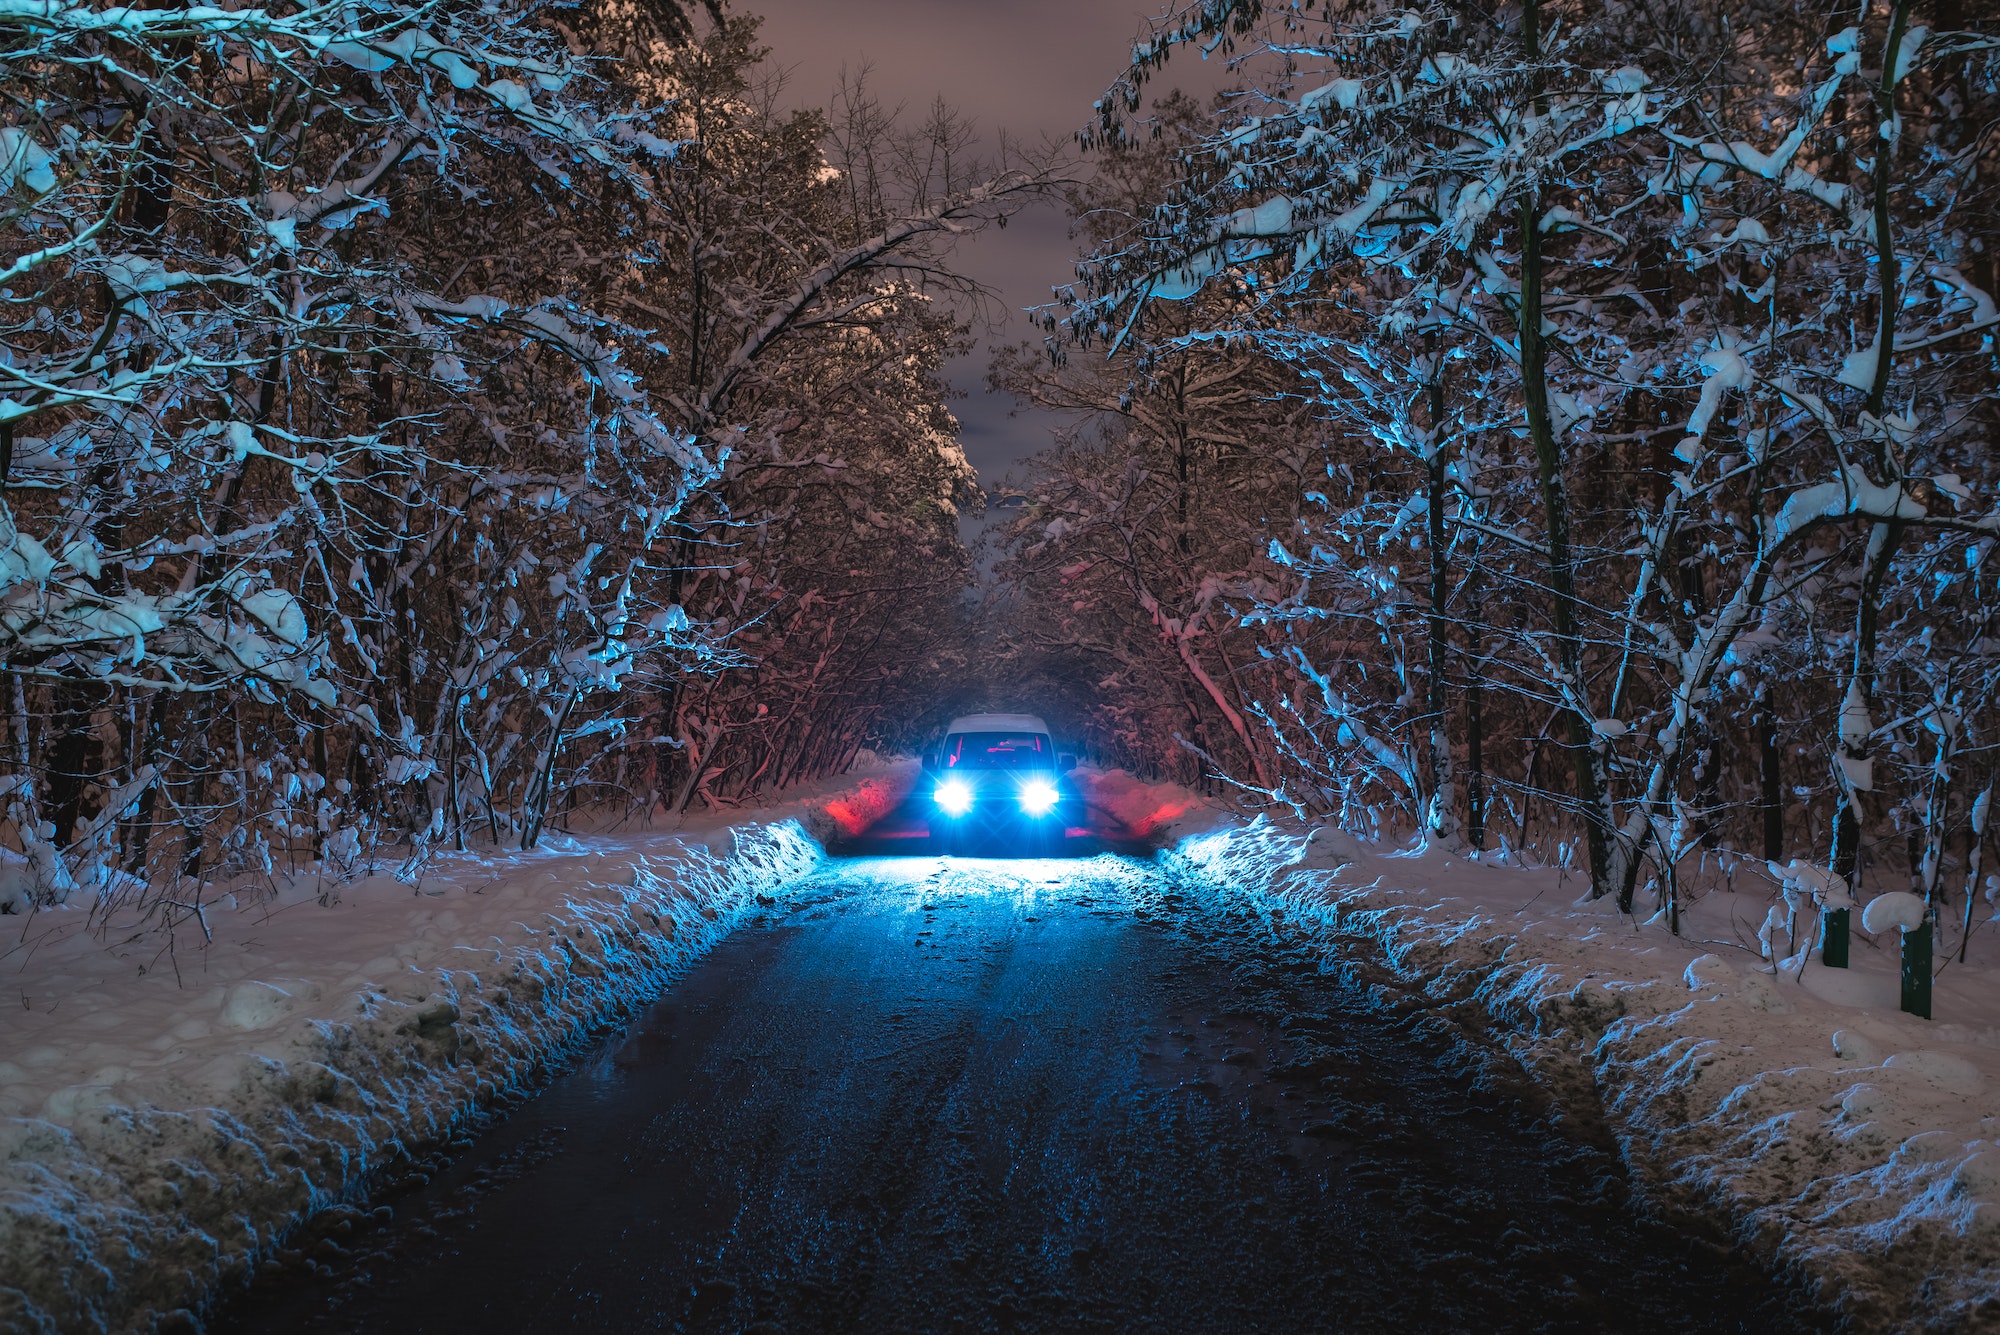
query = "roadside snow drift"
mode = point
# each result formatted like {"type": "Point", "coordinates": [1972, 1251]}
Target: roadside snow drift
{"type": "Point", "coordinates": [1849, 1145]}
{"type": "Point", "coordinates": [1143, 810]}
{"type": "Point", "coordinates": [171, 1109]}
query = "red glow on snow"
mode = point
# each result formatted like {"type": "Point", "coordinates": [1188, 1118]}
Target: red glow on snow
{"type": "Point", "coordinates": [1158, 816]}
{"type": "Point", "coordinates": [856, 811]}
{"type": "Point", "coordinates": [851, 821]}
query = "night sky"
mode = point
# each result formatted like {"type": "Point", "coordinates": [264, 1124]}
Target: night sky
{"type": "Point", "coordinates": [1029, 67]}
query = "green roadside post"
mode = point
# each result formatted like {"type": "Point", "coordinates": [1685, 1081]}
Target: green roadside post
{"type": "Point", "coordinates": [1915, 921]}
{"type": "Point", "coordinates": [1833, 938]}
{"type": "Point", "coordinates": [1830, 895]}
{"type": "Point", "coordinates": [1917, 969]}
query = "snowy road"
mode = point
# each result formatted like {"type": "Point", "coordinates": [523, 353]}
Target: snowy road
{"type": "Point", "coordinates": [1048, 1095]}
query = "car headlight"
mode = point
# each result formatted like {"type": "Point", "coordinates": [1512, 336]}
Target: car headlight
{"type": "Point", "coordinates": [1038, 797]}
{"type": "Point", "coordinates": [954, 796]}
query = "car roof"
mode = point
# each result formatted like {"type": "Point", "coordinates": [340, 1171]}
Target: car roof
{"type": "Point", "coordinates": [997, 723]}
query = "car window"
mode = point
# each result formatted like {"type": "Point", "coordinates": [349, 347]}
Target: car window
{"type": "Point", "coordinates": [998, 750]}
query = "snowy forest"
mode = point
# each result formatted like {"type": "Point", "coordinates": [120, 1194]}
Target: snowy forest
{"type": "Point", "coordinates": [1562, 426]}
{"type": "Point", "coordinates": [420, 422]}
{"type": "Point", "coordinates": [1553, 428]}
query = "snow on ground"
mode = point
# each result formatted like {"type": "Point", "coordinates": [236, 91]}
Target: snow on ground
{"type": "Point", "coordinates": [170, 1110]}
{"type": "Point", "coordinates": [1850, 1145]}
{"type": "Point", "coordinates": [1144, 810]}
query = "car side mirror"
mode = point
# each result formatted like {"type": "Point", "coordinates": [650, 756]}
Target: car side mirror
{"type": "Point", "coordinates": [1065, 763]}
{"type": "Point", "coordinates": [930, 759]}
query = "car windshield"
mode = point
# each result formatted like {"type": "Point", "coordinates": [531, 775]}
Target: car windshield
{"type": "Point", "coordinates": [998, 750]}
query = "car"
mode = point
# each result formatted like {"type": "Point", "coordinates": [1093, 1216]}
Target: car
{"type": "Point", "coordinates": [998, 784]}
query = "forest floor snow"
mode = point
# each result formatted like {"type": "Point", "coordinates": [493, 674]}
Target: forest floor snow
{"type": "Point", "coordinates": [172, 1109]}
{"type": "Point", "coordinates": [1852, 1147]}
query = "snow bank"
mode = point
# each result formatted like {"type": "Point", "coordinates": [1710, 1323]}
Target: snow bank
{"type": "Point", "coordinates": [171, 1109]}
{"type": "Point", "coordinates": [1847, 1144]}
{"type": "Point", "coordinates": [1146, 810]}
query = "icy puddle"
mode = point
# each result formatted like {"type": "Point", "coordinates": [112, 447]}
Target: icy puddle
{"type": "Point", "coordinates": [1031, 1096]}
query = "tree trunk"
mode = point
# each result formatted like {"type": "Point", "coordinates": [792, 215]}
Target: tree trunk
{"type": "Point", "coordinates": [1475, 722]}
{"type": "Point", "coordinates": [1441, 822]}
{"type": "Point", "coordinates": [1772, 792]}
{"type": "Point", "coordinates": [74, 758]}
{"type": "Point", "coordinates": [1582, 745]}
{"type": "Point", "coordinates": [1857, 714]}
{"type": "Point", "coordinates": [537, 804]}
{"type": "Point", "coordinates": [138, 837]}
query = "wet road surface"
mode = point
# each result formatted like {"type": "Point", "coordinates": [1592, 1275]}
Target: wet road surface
{"type": "Point", "coordinates": [924, 1094]}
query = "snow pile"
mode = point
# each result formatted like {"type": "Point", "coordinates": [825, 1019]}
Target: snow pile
{"type": "Point", "coordinates": [171, 1109]}
{"type": "Point", "coordinates": [859, 805]}
{"type": "Point", "coordinates": [1849, 1145]}
{"type": "Point", "coordinates": [1146, 810]}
